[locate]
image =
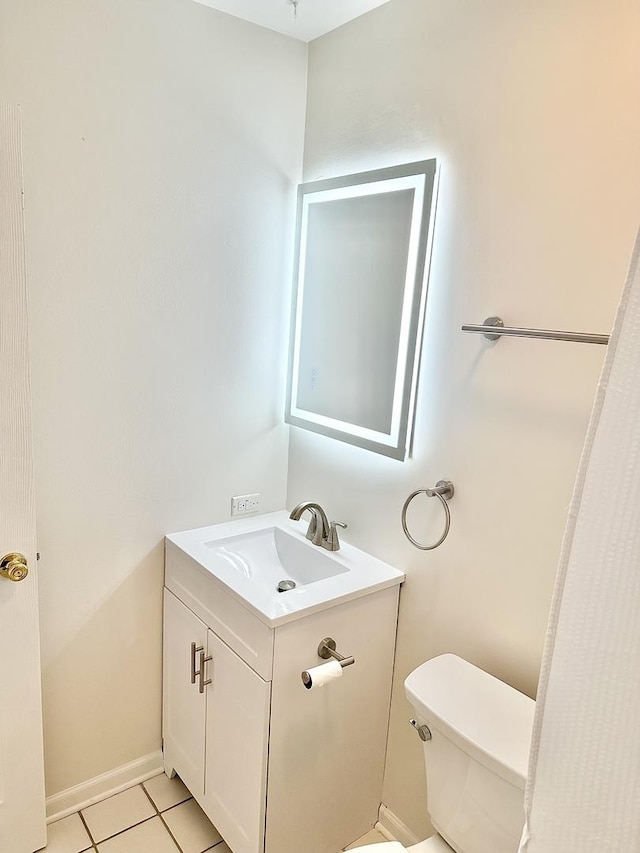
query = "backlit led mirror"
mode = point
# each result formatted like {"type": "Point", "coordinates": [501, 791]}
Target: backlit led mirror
{"type": "Point", "coordinates": [361, 268]}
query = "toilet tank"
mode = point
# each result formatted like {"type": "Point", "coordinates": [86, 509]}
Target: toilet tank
{"type": "Point", "coordinates": [478, 755]}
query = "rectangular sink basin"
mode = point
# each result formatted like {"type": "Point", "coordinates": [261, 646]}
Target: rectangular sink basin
{"type": "Point", "coordinates": [273, 555]}
{"type": "Point", "coordinates": [268, 564]}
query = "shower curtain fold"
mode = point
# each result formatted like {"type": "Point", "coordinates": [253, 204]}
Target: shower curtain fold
{"type": "Point", "coordinates": [583, 792]}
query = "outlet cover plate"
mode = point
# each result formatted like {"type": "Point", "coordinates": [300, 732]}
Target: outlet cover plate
{"type": "Point", "coordinates": [245, 504]}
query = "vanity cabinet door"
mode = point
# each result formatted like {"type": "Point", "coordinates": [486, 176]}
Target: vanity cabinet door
{"type": "Point", "coordinates": [237, 733]}
{"type": "Point", "coordinates": [184, 706]}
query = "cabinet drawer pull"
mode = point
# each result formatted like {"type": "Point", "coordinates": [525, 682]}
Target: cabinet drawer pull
{"type": "Point", "coordinates": [203, 661]}
{"type": "Point", "coordinates": [194, 651]}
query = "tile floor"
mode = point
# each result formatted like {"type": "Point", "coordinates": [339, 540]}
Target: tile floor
{"type": "Point", "coordinates": [159, 816]}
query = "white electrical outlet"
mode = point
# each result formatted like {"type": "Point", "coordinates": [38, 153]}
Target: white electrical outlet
{"type": "Point", "coordinates": [244, 504]}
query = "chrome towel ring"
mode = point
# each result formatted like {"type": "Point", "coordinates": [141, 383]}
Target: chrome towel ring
{"type": "Point", "coordinates": [444, 491]}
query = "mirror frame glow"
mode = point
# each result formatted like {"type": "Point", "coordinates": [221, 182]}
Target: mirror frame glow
{"type": "Point", "coordinates": [421, 178]}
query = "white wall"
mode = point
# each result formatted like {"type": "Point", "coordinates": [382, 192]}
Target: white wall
{"type": "Point", "coordinates": [532, 110]}
{"type": "Point", "coordinates": [162, 145]}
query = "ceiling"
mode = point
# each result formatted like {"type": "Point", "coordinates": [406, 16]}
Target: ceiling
{"type": "Point", "coordinates": [314, 17]}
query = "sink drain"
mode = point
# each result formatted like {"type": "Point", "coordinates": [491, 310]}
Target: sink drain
{"type": "Point", "coordinates": [284, 586]}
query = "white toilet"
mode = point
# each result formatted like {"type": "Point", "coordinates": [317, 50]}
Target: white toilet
{"type": "Point", "coordinates": [476, 757]}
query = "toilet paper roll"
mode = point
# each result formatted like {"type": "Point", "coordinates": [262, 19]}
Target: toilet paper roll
{"type": "Point", "coordinates": [318, 676]}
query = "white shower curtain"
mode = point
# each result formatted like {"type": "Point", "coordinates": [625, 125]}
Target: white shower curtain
{"type": "Point", "coordinates": [583, 793]}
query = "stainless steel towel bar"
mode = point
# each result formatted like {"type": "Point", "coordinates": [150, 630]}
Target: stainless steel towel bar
{"type": "Point", "coordinates": [544, 334]}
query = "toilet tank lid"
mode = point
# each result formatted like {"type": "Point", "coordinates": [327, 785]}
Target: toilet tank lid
{"type": "Point", "coordinates": [487, 718]}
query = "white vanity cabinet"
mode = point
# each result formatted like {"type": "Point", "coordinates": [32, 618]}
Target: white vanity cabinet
{"type": "Point", "coordinates": [216, 726]}
{"type": "Point", "coordinates": [237, 740]}
{"type": "Point", "coordinates": [184, 707]}
{"type": "Point", "coordinates": [276, 767]}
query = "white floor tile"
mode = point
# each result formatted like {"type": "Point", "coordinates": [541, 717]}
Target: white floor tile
{"type": "Point", "coordinates": [148, 837]}
{"type": "Point", "coordinates": [191, 827]}
{"type": "Point", "coordinates": [118, 813]}
{"type": "Point", "coordinates": [372, 837]}
{"type": "Point", "coordinates": [67, 836]}
{"type": "Point", "coordinates": [166, 792]}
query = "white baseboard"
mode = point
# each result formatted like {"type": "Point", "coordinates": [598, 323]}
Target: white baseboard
{"type": "Point", "coordinates": [393, 828]}
{"type": "Point", "coordinates": [100, 787]}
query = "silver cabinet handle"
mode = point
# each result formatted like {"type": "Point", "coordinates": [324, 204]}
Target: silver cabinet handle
{"type": "Point", "coordinates": [203, 660]}
{"type": "Point", "coordinates": [194, 651]}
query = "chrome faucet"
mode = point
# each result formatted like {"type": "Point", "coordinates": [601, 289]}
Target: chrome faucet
{"type": "Point", "coordinates": [320, 531]}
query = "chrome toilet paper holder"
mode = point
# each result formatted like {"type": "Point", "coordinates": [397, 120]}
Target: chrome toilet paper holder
{"type": "Point", "coordinates": [326, 651]}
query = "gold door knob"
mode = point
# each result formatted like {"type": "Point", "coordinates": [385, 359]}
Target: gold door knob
{"type": "Point", "coordinates": [14, 567]}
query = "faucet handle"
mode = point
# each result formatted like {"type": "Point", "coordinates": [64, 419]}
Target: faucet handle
{"type": "Point", "coordinates": [332, 543]}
